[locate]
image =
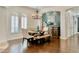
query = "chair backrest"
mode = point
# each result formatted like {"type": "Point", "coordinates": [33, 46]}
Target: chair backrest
{"type": "Point", "coordinates": [24, 32]}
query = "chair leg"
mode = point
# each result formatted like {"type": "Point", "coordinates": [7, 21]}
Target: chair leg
{"type": "Point", "coordinates": [23, 40]}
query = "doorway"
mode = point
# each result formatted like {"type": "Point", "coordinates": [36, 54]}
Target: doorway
{"type": "Point", "coordinates": [78, 24]}
{"type": "Point", "coordinates": [51, 19]}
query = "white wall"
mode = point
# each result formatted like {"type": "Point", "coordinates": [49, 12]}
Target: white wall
{"type": "Point", "coordinates": [72, 24]}
{"type": "Point", "coordinates": [5, 14]}
{"type": "Point", "coordinates": [19, 11]}
{"type": "Point", "coordinates": [5, 20]}
{"type": "Point", "coordinates": [63, 20]}
{"type": "Point", "coordinates": [2, 24]}
{"type": "Point", "coordinates": [63, 31]}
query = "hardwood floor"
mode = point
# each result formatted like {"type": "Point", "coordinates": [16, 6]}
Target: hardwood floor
{"type": "Point", "coordinates": [50, 47]}
{"type": "Point", "coordinates": [70, 45]}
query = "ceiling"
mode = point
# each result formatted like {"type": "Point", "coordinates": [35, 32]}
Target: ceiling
{"type": "Point", "coordinates": [54, 7]}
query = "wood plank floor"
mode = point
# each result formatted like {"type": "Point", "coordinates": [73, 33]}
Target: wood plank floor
{"type": "Point", "coordinates": [70, 45]}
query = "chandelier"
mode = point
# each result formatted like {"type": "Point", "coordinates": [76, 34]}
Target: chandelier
{"type": "Point", "coordinates": [36, 15]}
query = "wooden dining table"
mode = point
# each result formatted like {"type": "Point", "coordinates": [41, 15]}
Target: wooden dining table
{"type": "Point", "coordinates": [37, 39]}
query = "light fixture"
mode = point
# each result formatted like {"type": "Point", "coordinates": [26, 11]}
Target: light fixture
{"type": "Point", "coordinates": [69, 11]}
{"type": "Point", "coordinates": [36, 15]}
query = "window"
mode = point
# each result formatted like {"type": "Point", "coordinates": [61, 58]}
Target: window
{"type": "Point", "coordinates": [24, 22]}
{"type": "Point", "coordinates": [14, 24]}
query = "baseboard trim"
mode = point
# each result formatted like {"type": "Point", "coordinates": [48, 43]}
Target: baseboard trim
{"type": "Point", "coordinates": [16, 38]}
{"type": "Point", "coordinates": [64, 38]}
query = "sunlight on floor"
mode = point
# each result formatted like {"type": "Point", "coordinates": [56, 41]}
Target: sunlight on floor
{"type": "Point", "coordinates": [3, 46]}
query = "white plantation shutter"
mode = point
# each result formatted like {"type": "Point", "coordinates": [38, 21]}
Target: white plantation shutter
{"type": "Point", "coordinates": [14, 24]}
{"type": "Point", "coordinates": [24, 22]}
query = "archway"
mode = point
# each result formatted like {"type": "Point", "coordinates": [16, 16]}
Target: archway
{"type": "Point", "coordinates": [51, 19]}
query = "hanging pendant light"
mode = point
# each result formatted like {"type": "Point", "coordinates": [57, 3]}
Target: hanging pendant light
{"type": "Point", "coordinates": [36, 15]}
